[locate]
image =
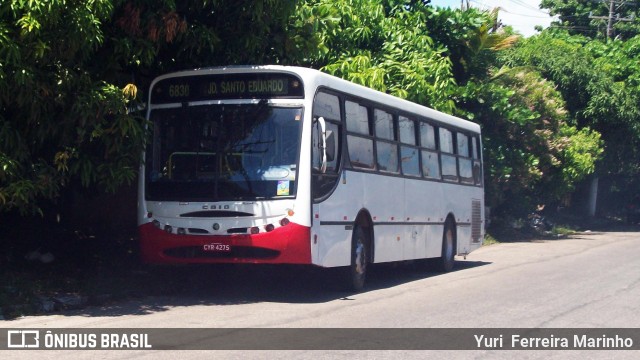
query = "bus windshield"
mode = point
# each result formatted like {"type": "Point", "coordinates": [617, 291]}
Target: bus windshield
{"type": "Point", "coordinates": [223, 152]}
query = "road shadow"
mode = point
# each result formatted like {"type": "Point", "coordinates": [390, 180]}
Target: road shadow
{"type": "Point", "coordinates": [156, 289]}
{"type": "Point", "coordinates": [103, 276]}
{"type": "Point", "coordinates": [389, 275]}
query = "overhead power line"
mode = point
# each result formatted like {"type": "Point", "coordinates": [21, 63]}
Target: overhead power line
{"type": "Point", "coordinates": [516, 3]}
{"type": "Point", "coordinates": [529, 6]}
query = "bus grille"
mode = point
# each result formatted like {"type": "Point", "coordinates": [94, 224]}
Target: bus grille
{"type": "Point", "coordinates": [196, 252]}
{"type": "Point", "coordinates": [476, 221]}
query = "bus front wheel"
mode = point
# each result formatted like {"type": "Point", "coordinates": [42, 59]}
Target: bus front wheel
{"type": "Point", "coordinates": [357, 272]}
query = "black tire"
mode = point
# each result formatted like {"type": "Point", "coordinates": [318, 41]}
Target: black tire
{"type": "Point", "coordinates": [446, 261]}
{"type": "Point", "coordinates": [357, 272]}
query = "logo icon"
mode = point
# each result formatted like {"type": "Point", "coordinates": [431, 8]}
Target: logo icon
{"type": "Point", "coordinates": [20, 339]}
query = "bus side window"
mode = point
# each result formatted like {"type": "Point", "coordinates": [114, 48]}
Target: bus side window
{"type": "Point", "coordinates": [407, 130]}
{"type": "Point", "coordinates": [409, 155]}
{"type": "Point", "coordinates": [427, 136]}
{"type": "Point", "coordinates": [357, 118]}
{"type": "Point", "coordinates": [384, 125]}
{"type": "Point", "coordinates": [326, 106]}
{"type": "Point", "coordinates": [359, 141]}
{"type": "Point", "coordinates": [360, 151]}
{"type": "Point", "coordinates": [448, 158]}
{"type": "Point", "coordinates": [464, 160]}
{"type": "Point", "coordinates": [386, 151]}
{"type": "Point", "coordinates": [430, 162]}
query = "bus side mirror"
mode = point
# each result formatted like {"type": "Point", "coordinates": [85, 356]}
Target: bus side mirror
{"type": "Point", "coordinates": [330, 145]}
{"type": "Point", "coordinates": [323, 145]}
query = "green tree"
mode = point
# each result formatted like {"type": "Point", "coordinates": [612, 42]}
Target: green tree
{"type": "Point", "coordinates": [57, 120]}
{"type": "Point", "coordinates": [471, 39]}
{"type": "Point", "coordinates": [533, 155]}
{"type": "Point", "coordinates": [153, 37]}
{"type": "Point", "coordinates": [71, 71]}
{"type": "Point", "coordinates": [599, 83]}
{"type": "Point", "coordinates": [384, 45]}
{"type": "Point", "coordinates": [621, 125]}
{"type": "Point", "coordinates": [447, 59]}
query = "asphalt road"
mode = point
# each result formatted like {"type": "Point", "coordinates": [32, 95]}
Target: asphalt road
{"type": "Point", "coordinates": [588, 281]}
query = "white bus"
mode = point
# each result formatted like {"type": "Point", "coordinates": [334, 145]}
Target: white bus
{"type": "Point", "coordinates": [288, 165]}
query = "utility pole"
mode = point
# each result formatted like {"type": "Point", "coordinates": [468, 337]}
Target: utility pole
{"type": "Point", "coordinates": [610, 22]}
{"type": "Point", "coordinates": [612, 16]}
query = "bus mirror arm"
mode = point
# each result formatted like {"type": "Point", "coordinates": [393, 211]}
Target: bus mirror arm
{"type": "Point", "coordinates": [330, 145]}
{"type": "Point", "coordinates": [323, 145]}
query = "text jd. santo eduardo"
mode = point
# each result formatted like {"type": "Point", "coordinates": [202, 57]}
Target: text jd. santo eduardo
{"type": "Point", "coordinates": [32, 339]}
{"type": "Point", "coordinates": [575, 342]}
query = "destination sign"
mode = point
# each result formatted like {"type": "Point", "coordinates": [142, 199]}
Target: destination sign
{"type": "Point", "coordinates": [227, 86]}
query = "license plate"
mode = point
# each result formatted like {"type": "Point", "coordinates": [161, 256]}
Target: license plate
{"type": "Point", "coordinates": [217, 247]}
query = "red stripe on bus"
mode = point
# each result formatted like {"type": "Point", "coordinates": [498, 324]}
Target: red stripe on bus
{"type": "Point", "coordinates": [290, 244]}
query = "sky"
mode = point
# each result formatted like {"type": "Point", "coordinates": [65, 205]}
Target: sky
{"type": "Point", "coordinates": [522, 15]}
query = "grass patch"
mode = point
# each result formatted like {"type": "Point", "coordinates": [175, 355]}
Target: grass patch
{"type": "Point", "coordinates": [563, 230]}
{"type": "Point", "coordinates": [489, 240]}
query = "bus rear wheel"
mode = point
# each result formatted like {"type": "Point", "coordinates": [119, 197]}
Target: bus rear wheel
{"type": "Point", "coordinates": [446, 261]}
